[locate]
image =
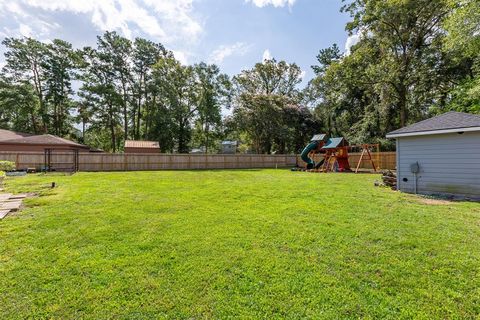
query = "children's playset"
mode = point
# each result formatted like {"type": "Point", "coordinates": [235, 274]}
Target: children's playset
{"type": "Point", "coordinates": [335, 152]}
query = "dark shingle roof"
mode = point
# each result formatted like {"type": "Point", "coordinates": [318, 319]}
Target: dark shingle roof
{"type": "Point", "coordinates": [45, 139]}
{"type": "Point", "coordinates": [446, 121]}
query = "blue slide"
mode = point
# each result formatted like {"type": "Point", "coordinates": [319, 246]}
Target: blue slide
{"type": "Point", "coordinates": [304, 155]}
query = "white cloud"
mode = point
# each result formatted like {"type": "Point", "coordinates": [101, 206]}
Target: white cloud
{"type": "Point", "coordinates": [13, 7]}
{"type": "Point", "coordinates": [25, 30]}
{"type": "Point", "coordinates": [181, 56]}
{"type": "Point", "coordinates": [351, 41]}
{"type": "Point", "coordinates": [178, 13]}
{"type": "Point", "coordinates": [267, 55]}
{"type": "Point", "coordinates": [275, 3]}
{"type": "Point", "coordinates": [164, 20]}
{"type": "Point", "coordinates": [225, 51]}
{"type": "Point", "coordinates": [303, 74]}
{"type": "Point", "coordinates": [16, 21]}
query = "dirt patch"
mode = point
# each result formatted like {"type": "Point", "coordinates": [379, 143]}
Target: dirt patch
{"type": "Point", "coordinates": [433, 201]}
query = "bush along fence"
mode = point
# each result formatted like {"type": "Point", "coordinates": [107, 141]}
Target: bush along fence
{"type": "Point", "coordinates": [62, 161]}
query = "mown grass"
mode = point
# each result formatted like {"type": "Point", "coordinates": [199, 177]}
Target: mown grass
{"type": "Point", "coordinates": [235, 244]}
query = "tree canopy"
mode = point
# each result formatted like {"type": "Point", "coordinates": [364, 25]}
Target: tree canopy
{"type": "Point", "coordinates": [414, 59]}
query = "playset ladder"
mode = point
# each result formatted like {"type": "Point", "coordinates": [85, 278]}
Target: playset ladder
{"type": "Point", "coordinates": [329, 162]}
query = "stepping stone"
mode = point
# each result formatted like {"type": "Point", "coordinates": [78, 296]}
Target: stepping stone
{"type": "Point", "coordinates": [10, 200]}
{"type": "Point", "coordinates": [5, 196]}
{"type": "Point", "coordinates": [14, 205]}
{"type": "Point", "coordinates": [3, 213]}
{"type": "Point", "coordinates": [18, 196]}
{"type": "Point", "coordinates": [10, 203]}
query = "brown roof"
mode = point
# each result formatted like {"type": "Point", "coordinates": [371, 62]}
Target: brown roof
{"type": "Point", "coordinates": [142, 144]}
{"type": "Point", "coordinates": [11, 137]}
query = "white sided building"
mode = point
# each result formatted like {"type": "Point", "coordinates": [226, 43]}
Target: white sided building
{"type": "Point", "coordinates": [440, 156]}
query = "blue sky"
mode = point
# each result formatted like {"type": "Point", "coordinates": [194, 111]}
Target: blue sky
{"type": "Point", "coordinates": [235, 34]}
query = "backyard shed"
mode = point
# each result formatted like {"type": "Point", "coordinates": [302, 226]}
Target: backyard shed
{"type": "Point", "coordinates": [136, 146]}
{"type": "Point", "coordinates": [440, 155]}
{"type": "Point", "coordinates": [229, 147]}
{"type": "Point", "coordinates": [19, 141]}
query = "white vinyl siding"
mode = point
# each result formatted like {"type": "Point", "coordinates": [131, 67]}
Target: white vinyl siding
{"type": "Point", "coordinates": [449, 164]}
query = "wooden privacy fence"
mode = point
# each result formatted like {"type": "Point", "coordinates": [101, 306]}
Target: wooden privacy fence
{"type": "Point", "coordinates": [145, 162]}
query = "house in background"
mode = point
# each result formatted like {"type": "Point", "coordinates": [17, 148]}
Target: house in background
{"type": "Point", "coordinates": [19, 141]}
{"type": "Point", "coordinates": [229, 147]}
{"type": "Point", "coordinates": [200, 150]}
{"type": "Point", "coordinates": [134, 146]}
{"type": "Point", "coordinates": [440, 155]}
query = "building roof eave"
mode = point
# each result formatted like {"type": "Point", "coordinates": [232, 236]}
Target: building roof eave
{"type": "Point", "coordinates": [431, 132]}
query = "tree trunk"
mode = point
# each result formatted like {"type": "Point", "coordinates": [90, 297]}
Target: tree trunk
{"type": "Point", "coordinates": [281, 147]}
{"type": "Point", "coordinates": [402, 104]}
{"type": "Point", "coordinates": [125, 112]}
{"type": "Point", "coordinates": [182, 141]}
{"type": "Point", "coordinates": [125, 122]}
{"type": "Point", "coordinates": [114, 138]}
{"type": "Point", "coordinates": [38, 88]}
{"type": "Point", "coordinates": [147, 108]}
{"type": "Point", "coordinates": [34, 123]}
{"type": "Point", "coordinates": [112, 129]}
{"type": "Point", "coordinates": [142, 88]}
{"type": "Point", "coordinates": [139, 113]}
{"type": "Point", "coordinates": [83, 130]}
{"type": "Point", "coordinates": [207, 133]}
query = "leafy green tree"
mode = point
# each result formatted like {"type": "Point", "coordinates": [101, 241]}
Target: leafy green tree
{"type": "Point", "coordinates": [407, 33]}
{"type": "Point", "coordinates": [213, 93]}
{"type": "Point", "coordinates": [325, 59]}
{"type": "Point", "coordinates": [84, 116]}
{"type": "Point", "coordinates": [262, 97]}
{"type": "Point", "coordinates": [396, 74]}
{"type": "Point", "coordinates": [48, 69]}
{"type": "Point", "coordinates": [25, 60]}
{"type": "Point", "coordinates": [463, 26]}
{"type": "Point", "coordinates": [178, 93]}
{"type": "Point", "coordinates": [99, 90]}
{"type": "Point", "coordinates": [325, 91]}
{"type": "Point", "coordinates": [117, 51]}
{"type": "Point", "coordinates": [18, 107]}
{"type": "Point", "coordinates": [463, 42]}
{"type": "Point", "coordinates": [60, 64]}
{"type": "Point", "coordinates": [145, 95]}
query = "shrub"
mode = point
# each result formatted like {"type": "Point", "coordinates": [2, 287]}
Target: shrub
{"type": "Point", "coordinates": [7, 166]}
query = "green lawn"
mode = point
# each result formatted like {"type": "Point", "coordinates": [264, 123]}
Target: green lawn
{"type": "Point", "coordinates": [235, 244]}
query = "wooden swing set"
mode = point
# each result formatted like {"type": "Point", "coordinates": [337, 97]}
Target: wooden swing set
{"type": "Point", "coordinates": [336, 154]}
{"type": "Point", "coordinates": [336, 159]}
{"type": "Point", "coordinates": [366, 155]}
